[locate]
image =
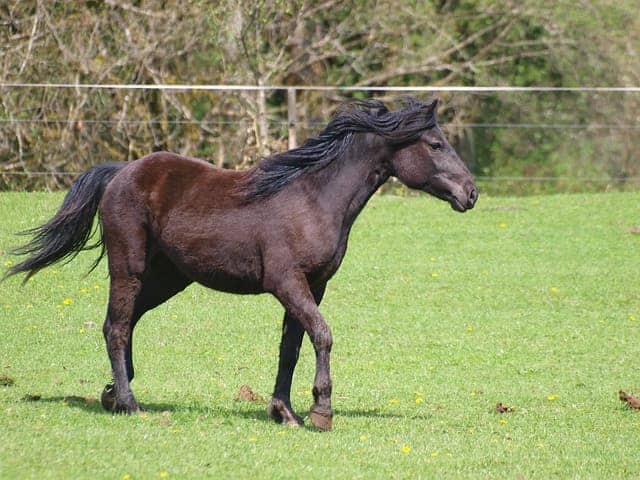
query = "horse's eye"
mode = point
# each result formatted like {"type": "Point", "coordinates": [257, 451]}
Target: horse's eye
{"type": "Point", "coordinates": [435, 145]}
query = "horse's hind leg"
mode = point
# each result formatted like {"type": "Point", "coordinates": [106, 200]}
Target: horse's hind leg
{"type": "Point", "coordinates": [117, 333]}
{"type": "Point", "coordinates": [126, 241]}
{"type": "Point", "coordinates": [161, 281]}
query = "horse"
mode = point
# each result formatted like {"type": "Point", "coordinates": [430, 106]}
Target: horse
{"type": "Point", "coordinates": [280, 227]}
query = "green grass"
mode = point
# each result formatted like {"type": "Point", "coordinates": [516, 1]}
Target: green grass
{"type": "Point", "coordinates": [436, 316]}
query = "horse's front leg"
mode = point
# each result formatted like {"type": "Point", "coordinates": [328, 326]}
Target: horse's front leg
{"type": "Point", "coordinates": [295, 295]}
{"type": "Point", "coordinates": [292, 333]}
{"type": "Point", "coordinates": [280, 407]}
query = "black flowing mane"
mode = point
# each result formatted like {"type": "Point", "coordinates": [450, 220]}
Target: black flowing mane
{"type": "Point", "coordinates": [367, 116]}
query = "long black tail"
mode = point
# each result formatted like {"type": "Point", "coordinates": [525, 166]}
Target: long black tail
{"type": "Point", "coordinates": [66, 234]}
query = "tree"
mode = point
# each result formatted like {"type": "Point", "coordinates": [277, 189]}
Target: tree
{"type": "Point", "coordinates": [300, 42]}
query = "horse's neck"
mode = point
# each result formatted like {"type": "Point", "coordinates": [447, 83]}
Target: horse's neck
{"type": "Point", "coordinates": [345, 188]}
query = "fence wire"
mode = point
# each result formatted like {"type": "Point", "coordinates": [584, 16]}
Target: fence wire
{"type": "Point", "coordinates": [211, 124]}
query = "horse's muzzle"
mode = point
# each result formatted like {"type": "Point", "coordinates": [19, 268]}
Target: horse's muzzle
{"type": "Point", "coordinates": [463, 199]}
{"type": "Point", "coordinates": [461, 195]}
{"type": "Point", "coordinates": [472, 198]}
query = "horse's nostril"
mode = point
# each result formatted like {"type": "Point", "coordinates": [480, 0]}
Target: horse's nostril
{"type": "Point", "coordinates": [473, 196]}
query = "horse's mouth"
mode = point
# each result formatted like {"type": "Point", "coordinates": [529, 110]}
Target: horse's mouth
{"type": "Point", "coordinates": [460, 198]}
{"type": "Point", "coordinates": [456, 204]}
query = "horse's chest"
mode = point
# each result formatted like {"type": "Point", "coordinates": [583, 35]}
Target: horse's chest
{"type": "Point", "coordinates": [328, 260]}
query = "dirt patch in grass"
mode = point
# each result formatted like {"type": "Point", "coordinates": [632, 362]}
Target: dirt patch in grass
{"type": "Point", "coordinates": [246, 394]}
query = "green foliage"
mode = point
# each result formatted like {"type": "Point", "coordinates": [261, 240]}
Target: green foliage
{"type": "Point", "coordinates": [296, 42]}
{"type": "Point", "coordinates": [437, 317]}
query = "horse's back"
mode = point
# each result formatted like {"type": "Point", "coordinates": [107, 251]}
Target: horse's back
{"type": "Point", "coordinates": [164, 178]}
{"type": "Point", "coordinates": [191, 211]}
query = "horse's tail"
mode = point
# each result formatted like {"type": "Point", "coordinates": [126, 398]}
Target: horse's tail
{"type": "Point", "coordinates": [66, 234]}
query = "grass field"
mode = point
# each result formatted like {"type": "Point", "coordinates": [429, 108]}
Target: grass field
{"type": "Point", "coordinates": [436, 316]}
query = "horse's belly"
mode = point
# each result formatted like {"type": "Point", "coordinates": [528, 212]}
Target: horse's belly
{"type": "Point", "coordinates": [234, 269]}
{"type": "Point", "coordinates": [230, 284]}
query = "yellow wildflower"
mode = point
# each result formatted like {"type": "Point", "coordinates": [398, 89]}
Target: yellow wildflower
{"type": "Point", "coordinates": [394, 401]}
{"type": "Point", "coordinates": [405, 448]}
{"type": "Point", "coordinates": [67, 301]}
{"type": "Point", "coordinates": [164, 474]}
{"type": "Point", "coordinates": [552, 397]}
{"type": "Point", "coordinates": [363, 438]}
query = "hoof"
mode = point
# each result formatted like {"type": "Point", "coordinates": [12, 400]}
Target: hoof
{"type": "Point", "coordinates": [321, 420]}
{"type": "Point", "coordinates": [108, 398]}
{"type": "Point", "coordinates": [280, 413]}
{"type": "Point", "coordinates": [110, 404]}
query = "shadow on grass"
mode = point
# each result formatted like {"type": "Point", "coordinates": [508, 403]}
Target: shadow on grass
{"type": "Point", "coordinates": [247, 410]}
{"type": "Point", "coordinates": [379, 413]}
{"type": "Point", "coordinates": [89, 404]}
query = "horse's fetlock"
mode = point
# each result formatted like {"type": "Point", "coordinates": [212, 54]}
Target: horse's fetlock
{"type": "Point", "coordinates": [322, 390]}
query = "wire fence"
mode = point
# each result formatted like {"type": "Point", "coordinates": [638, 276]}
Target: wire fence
{"type": "Point", "coordinates": [326, 88]}
{"type": "Point", "coordinates": [543, 126]}
{"type": "Point", "coordinates": [29, 121]}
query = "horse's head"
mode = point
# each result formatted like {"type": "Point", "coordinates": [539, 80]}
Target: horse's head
{"type": "Point", "coordinates": [430, 164]}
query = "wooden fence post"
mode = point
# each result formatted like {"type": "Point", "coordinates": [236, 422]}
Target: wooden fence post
{"type": "Point", "coordinates": [292, 117]}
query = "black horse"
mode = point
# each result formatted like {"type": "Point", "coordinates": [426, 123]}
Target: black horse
{"type": "Point", "coordinates": [280, 227]}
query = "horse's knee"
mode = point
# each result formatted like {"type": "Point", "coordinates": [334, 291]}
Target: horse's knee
{"type": "Point", "coordinates": [322, 339]}
{"type": "Point", "coordinates": [116, 334]}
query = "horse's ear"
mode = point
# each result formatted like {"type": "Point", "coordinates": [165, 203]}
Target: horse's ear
{"type": "Point", "coordinates": [433, 106]}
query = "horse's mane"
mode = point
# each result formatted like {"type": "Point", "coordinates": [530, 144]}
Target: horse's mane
{"type": "Point", "coordinates": [402, 126]}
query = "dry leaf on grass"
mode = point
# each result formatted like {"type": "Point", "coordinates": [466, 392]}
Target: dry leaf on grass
{"type": "Point", "coordinates": [245, 394]}
{"type": "Point", "coordinates": [500, 408]}
{"type": "Point", "coordinates": [631, 400]}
